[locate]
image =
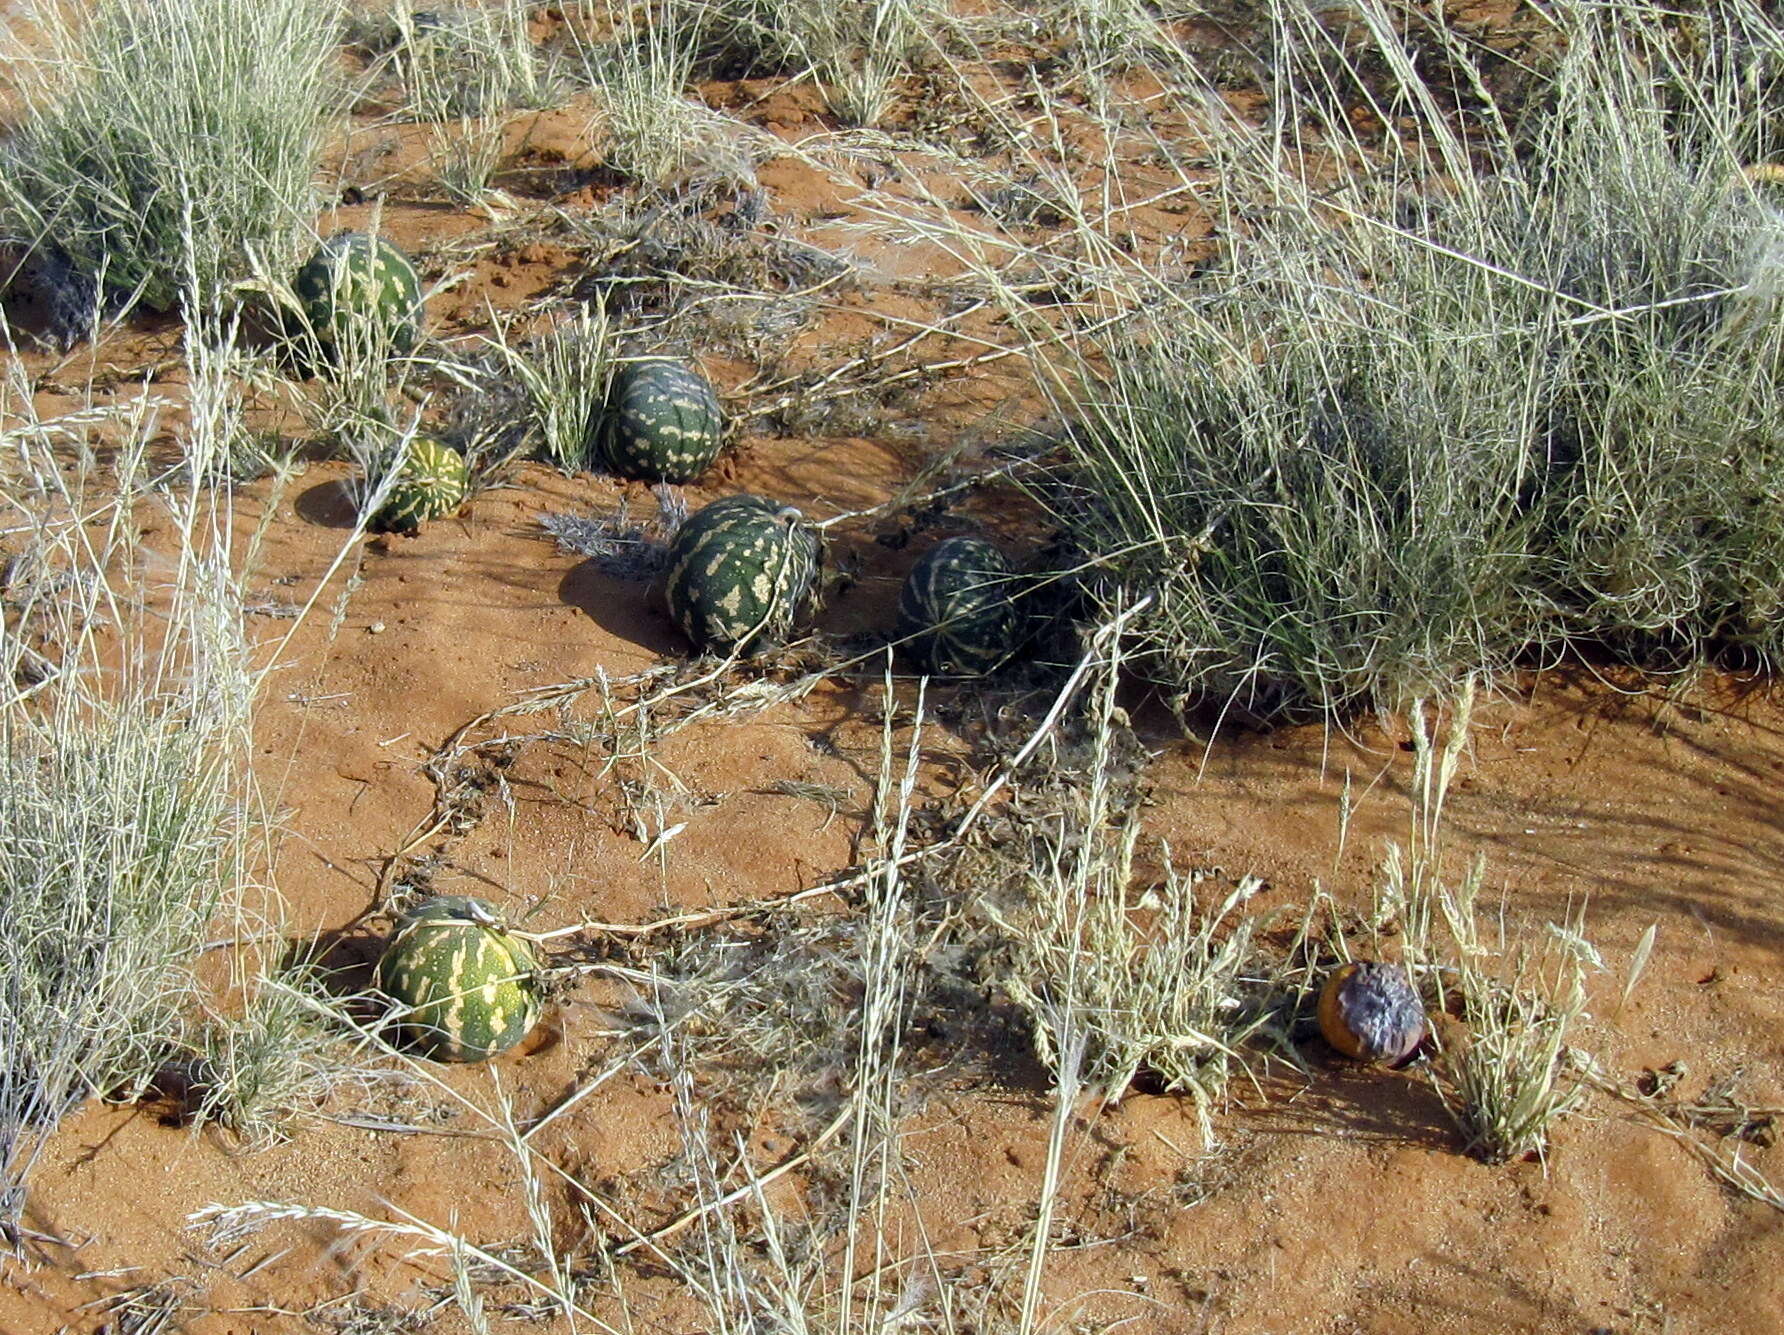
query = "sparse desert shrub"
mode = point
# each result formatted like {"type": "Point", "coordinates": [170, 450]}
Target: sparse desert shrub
{"type": "Point", "coordinates": [1443, 405]}
{"type": "Point", "coordinates": [1159, 983]}
{"type": "Point", "coordinates": [542, 394]}
{"type": "Point", "coordinates": [462, 67]}
{"type": "Point", "coordinates": [855, 51]}
{"type": "Point", "coordinates": [1327, 523]}
{"type": "Point", "coordinates": [779, 1008]}
{"type": "Point", "coordinates": [716, 284]}
{"type": "Point", "coordinates": [1507, 1084]}
{"type": "Point", "coordinates": [564, 373]}
{"type": "Point", "coordinates": [123, 741]}
{"type": "Point", "coordinates": [1504, 1075]}
{"type": "Point", "coordinates": [466, 158]}
{"type": "Point", "coordinates": [1663, 370]}
{"type": "Point", "coordinates": [281, 1050]}
{"type": "Point", "coordinates": [641, 77]}
{"type": "Point", "coordinates": [457, 61]}
{"type": "Point", "coordinates": [153, 126]}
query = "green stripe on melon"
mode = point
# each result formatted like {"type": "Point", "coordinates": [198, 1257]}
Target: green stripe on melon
{"type": "Point", "coordinates": [433, 483]}
{"type": "Point", "coordinates": [468, 988]}
{"type": "Point", "coordinates": [741, 572]}
{"type": "Point", "coordinates": [663, 422]}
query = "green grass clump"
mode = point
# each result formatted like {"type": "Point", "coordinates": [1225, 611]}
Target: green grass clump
{"type": "Point", "coordinates": [1508, 1083]}
{"type": "Point", "coordinates": [151, 124]}
{"type": "Point", "coordinates": [462, 68]}
{"type": "Point", "coordinates": [563, 374]}
{"type": "Point", "coordinates": [1321, 524]}
{"type": "Point", "coordinates": [1447, 404]}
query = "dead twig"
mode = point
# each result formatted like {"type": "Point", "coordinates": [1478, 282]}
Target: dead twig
{"type": "Point", "coordinates": [749, 1188]}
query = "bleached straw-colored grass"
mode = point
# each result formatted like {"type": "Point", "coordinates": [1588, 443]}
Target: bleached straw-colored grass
{"type": "Point", "coordinates": [124, 737]}
{"type": "Point", "coordinates": [159, 137]}
{"type": "Point", "coordinates": [855, 52]}
{"type": "Point", "coordinates": [1435, 402]}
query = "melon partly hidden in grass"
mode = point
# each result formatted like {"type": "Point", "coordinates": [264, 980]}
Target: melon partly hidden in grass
{"type": "Point", "coordinates": [432, 483]}
{"type": "Point", "coordinates": [957, 612]}
{"type": "Point", "coordinates": [1370, 1011]}
{"type": "Point", "coordinates": [663, 422]}
{"type": "Point", "coordinates": [468, 986]}
{"type": "Point", "coordinates": [357, 289]}
{"type": "Point", "coordinates": [741, 572]}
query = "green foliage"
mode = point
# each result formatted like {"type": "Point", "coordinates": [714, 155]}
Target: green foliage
{"type": "Point", "coordinates": [1505, 399]}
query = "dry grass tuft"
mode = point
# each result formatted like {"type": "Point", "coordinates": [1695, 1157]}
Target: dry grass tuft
{"type": "Point", "coordinates": [1436, 402]}
{"type": "Point", "coordinates": [125, 713]}
{"type": "Point", "coordinates": [1159, 984]}
{"type": "Point", "coordinates": [1507, 1079]}
{"type": "Point", "coordinates": [159, 143]}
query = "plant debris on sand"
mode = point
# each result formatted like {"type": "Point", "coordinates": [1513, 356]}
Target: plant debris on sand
{"type": "Point", "coordinates": [1239, 498]}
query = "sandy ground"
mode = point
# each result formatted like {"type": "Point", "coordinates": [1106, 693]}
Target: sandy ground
{"type": "Point", "coordinates": [1334, 1201]}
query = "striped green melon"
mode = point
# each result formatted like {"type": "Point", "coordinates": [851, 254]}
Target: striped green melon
{"type": "Point", "coordinates": [957, 612]}
{"type": "Point", "coordinates": [741, 571]}
{"type": "Point", "coordinates": [468, 987]}
{"type": "Point", "coordinates": [359, 288]}
{"type": "Point", "coordinates": [433, 483]}
{"type": "Point", "coordinates": [663, 422]}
